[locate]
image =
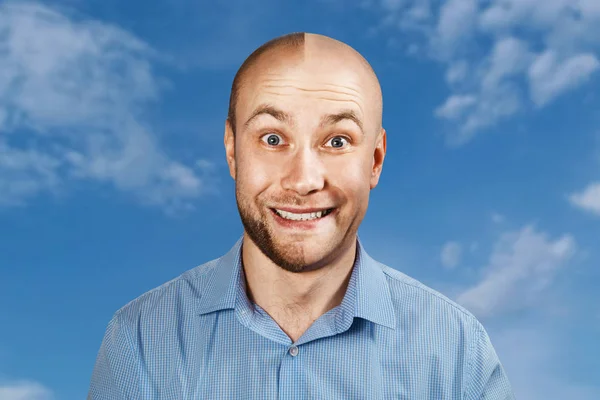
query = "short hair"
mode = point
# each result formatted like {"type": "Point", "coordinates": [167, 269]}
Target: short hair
{"type": "Point", "coordinates": [293, 40]}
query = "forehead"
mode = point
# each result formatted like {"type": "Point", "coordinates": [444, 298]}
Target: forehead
{"type": "Point", "coordinates": [316, 76]}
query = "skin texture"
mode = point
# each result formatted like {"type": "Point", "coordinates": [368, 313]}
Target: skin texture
{"type": "Point", "coordinates": [291, 156]}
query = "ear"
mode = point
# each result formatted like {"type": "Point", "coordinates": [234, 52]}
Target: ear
{"type": "Point", "coordinates": [378, 157]}
{"type": "Point", "coordinates": [229, 141]}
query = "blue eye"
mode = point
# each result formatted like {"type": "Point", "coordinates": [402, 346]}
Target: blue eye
{"type": "Point", "coordinates": [338, 142]}
{"type": "Point", "coordinates": [272, 139]}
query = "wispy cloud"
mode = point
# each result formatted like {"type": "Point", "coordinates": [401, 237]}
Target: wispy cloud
{"type": "Point", "coordinates": [522, 269]}
{"type": "Point", "coordinates": [73, 98]}
{"type": "Point", "coordinates": [451, 254]}
{"type": "Point", "coordinates": [549, 76]}
{"type": "Point", "coordinates": [24, 390]}
{"type": "Point", "coordinates": [522, 265]}
{"type": "Point", "coordinates": [456, 106]}
{"type": "Point", "coordinates": [498, 218]}
{"type": "Point", "coordinates": [502, 56]}
{"type": "Point", "coordinates": [588, 199]}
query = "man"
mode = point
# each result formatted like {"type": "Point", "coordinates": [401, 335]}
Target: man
{"type": "Point", "coordinates": [297, 309]}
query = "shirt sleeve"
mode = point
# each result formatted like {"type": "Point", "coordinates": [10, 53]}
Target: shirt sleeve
{"type": "Point", "coordinates": [115, 375]}
{"type": "Point", "coordinates": [487, 378]}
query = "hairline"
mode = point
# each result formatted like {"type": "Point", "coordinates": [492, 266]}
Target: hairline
{"type": "Point", "coordinates": [294, 42]}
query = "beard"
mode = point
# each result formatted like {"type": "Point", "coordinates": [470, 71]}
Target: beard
{"type": "Point", "coordinates": [292, 258]}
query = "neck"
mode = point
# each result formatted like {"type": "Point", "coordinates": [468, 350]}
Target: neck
{"type": "Point", "coordinates": [306, 295]}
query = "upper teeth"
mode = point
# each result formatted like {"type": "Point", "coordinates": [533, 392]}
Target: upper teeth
{"type": "Point", "coordinates": [301, 217]}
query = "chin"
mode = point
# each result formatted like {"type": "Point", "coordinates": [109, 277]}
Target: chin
{"type": "Point", "coordinates": [314, 251]}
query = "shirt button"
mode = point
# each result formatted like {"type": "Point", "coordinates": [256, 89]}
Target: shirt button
{"type": "Point", "coordinates": [294, 351]}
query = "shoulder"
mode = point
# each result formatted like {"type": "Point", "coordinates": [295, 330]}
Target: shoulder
{"type": "Point", "coordinates": [432, 322]}
{"type": "Point", "coordinates": [174, 298]}
{"type": "Point", "coordinates": [434, 327]}
{"type": "Point", "coordinates": [414, 299]}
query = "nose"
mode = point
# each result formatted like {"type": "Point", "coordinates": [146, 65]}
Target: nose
{"type": "Point", "coordinates": [304, 174]}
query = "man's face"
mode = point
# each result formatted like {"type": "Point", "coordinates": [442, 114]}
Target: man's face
{"type": "Point", "coordinates": [308, 150]}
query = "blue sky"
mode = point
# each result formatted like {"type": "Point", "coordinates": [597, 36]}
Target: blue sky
{"type": "Point", "coordinates": [113, 177]}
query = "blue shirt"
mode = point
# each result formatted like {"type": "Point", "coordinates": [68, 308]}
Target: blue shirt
{"type": "Point", "coordinates": [199, 337]}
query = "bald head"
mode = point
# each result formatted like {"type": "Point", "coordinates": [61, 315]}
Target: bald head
{"type": "Point", "coordinates": [296, 48]}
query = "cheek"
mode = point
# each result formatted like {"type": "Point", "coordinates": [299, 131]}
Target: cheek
{"type": "Point", "coordinates": [253, 176]}
{"type": "Point", "coordinates": [353, 179]}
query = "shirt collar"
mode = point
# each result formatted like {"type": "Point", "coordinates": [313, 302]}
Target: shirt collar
{"type": "Point", "coordinates": [367, 296]}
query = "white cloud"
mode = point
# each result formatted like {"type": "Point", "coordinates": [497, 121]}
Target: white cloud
{"type": "Point", "coordinates": [457, 72]}
{"type": "Point", "coordinates": [451, 254]}
{"type": "Point", "coordinates": [521, 266]}
{"type": "Point", "coordinates": [494, 96]}
{"type": "Point", "coordinates": [505, 14]}
{"type": "Point", "coordinates": [25, 173]}
{"type": "Point", "coordinates": [549, 77]}
{"type": "Point", "coordinates": [456, 21]}
{"type": "Point", "coordinates": [503, 56]}
{"type": "Point", "coordinates": [455, 106]}
{"type": "Point", "coordinates": [509, 57]}
{"type": "Point", "coordinates": [73, 95]}
{"type": "Point", "coordinates": [588, 199]}
{"type": "Point", "coordinates": [24, 390]}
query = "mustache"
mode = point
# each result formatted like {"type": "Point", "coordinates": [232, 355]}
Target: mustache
{"type": "Point", "coordinates": [291, 200]}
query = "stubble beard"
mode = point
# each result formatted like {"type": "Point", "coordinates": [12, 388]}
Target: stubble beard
{"type": "Point", "coordinates": [292, 258]}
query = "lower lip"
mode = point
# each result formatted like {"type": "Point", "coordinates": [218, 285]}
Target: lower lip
{"type": "Point", "coordinates": [303, 225]}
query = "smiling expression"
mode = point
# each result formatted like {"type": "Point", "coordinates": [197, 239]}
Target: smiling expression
{"type": "Point", "coordinates": [308, 149]}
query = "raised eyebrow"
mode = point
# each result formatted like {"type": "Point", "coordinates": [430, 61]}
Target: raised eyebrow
{"type": "Point", "coordinates": [332, 119]}
{"type": "Point", "coordinates": [269, 109]}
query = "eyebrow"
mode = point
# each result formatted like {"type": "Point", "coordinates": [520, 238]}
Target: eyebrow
{"type": "Point", "coordinates": [349, 114]}
{"type": "Point", "coordinates": [268, 109]}
{"type": "Point", "coordinates": [282, 116]}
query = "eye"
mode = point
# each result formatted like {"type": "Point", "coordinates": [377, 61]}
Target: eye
{"type": "Point", "coordinates": [338, 142]}
{"type": "Point", "coordinates": [272, 139]}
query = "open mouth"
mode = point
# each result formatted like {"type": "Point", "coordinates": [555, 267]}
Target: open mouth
{"type": "Point", "coordinates": [303, 216]}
